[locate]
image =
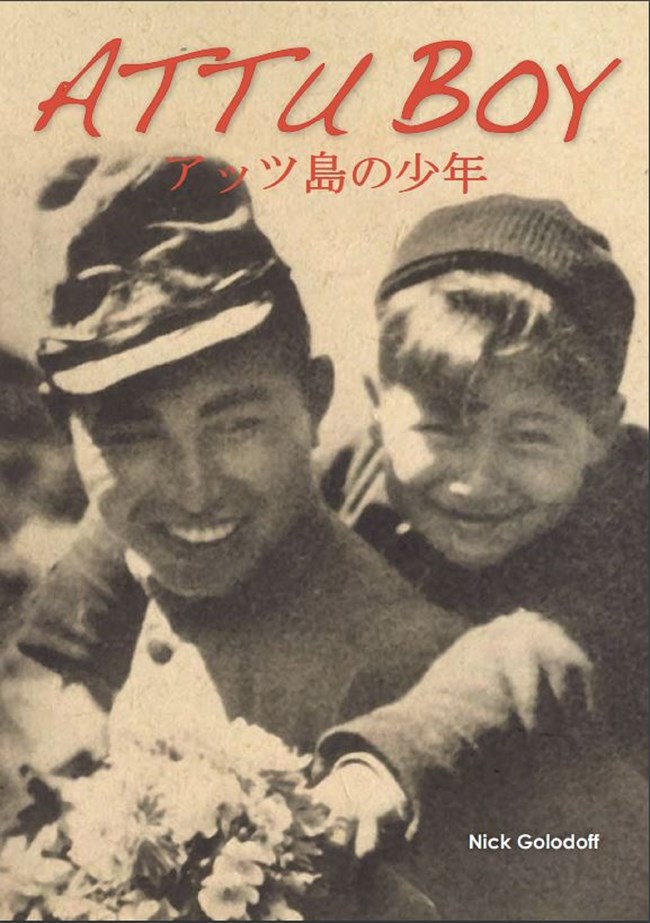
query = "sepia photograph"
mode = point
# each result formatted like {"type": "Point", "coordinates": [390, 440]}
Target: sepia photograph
{"type": "Point", "coordinates": [324, 461]}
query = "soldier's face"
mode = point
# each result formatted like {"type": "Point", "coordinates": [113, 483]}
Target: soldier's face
{"type": "Point", "coordinates": [202, 478]}
{"type": "Point", "coordinates": [481, 484]}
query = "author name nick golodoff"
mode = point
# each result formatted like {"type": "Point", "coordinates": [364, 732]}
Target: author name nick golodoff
{"type": "Point", "coordinates": [544, 841]}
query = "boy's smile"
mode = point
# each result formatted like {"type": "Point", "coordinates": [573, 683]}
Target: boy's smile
{"type": "Point", "coordinates": [480, 482]}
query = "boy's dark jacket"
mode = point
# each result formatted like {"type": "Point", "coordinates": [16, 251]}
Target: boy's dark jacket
{"type": "Point", "coordinates": [363, 639]}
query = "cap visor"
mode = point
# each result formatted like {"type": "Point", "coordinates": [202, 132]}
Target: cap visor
{"type": "Point", "coordinates": [99, 374]}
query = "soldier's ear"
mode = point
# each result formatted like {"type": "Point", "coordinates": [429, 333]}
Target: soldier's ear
{"type": "Point", "coordinates": [320, 388]}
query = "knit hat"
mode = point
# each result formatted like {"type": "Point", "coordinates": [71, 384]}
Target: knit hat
{"type": "Point", "coordinates": [539, 240]}
{"type": "Point", "coordinates": [154, 274]}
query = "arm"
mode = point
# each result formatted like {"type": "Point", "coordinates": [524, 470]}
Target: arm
{"type": "Point", "coordinates": [71, 652]}
{"type": "Point", "coordinates": [83, 619]}
{"type": "Point", "coordinates": [488, 680]}
{"type": "Point", "coordinates": [44, 723]}
{"type": "Point", "coordinates": [569, 780]}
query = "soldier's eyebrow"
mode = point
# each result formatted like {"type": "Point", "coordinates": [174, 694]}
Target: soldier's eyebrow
{"type": "Point", "coordinates": [233, 398]}
{"type": "Point", "coordinates": [129, 410]}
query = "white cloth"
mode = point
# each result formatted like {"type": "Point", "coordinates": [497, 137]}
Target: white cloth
{"type": "Point", "coordinates": [169, 695]}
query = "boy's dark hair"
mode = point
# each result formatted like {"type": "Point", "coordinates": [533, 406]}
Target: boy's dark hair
{"type": "Point", "coordinates": [438, 336]}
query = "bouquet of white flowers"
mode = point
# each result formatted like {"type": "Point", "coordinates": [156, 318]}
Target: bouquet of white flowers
{"type": "Point", "coordinates": [225, 832]}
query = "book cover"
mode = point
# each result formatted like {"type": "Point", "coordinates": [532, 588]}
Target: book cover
{"type": "Point", "coordinates": [348, 122]}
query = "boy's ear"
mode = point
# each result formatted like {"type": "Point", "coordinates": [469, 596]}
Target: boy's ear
{"type": "Point", "coordinates": [320, 388]}
{"type": "Point", "coordinates": [372, 391]}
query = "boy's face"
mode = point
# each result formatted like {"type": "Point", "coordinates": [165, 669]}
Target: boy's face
{"type": "Point", "coordinates": [484, 484]}
{"type": "Point", "coordinates": [204, 476]}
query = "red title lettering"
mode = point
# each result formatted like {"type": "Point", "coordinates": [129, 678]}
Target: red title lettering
{"type": "Point", "coordinates": [431, 82]}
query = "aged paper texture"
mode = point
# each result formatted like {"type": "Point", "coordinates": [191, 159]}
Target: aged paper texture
{"type": "Point", "coordinates": [336, 195]}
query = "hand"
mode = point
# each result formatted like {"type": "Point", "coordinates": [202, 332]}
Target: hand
{"type": "Point", "coordinates": [362, 795]}
{"type": "Point", "coordinates": [518, 650]}
{"type": "Point", "coordinates": [51, 722]}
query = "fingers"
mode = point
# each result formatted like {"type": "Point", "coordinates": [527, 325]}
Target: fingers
{"type": "Point", "coordinates": [572, 686]}
{"type": "Point", "coordinates": [527, 647]}
{"type": "Point", "coordinates": [340, 831]}
{"type": "Point", "coordinates": [362, 832]}
{"type": "Point", "coordinates": [342, 819]}
{"type": "Point", "coordinates": [367, 836]}
{"type": "Point", "coordinates": [523, 675]}
{"type": "Point", "coordinates": [566, 665]}
{"type": "Point", "coordinates": [360, 797]}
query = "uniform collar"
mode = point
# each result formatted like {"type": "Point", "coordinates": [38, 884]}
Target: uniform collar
{"type": "Point", "coordinates": [365, 487]}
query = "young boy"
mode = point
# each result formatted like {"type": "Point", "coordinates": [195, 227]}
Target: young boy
{"type": "Point", "coordinates": [497, 474]}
